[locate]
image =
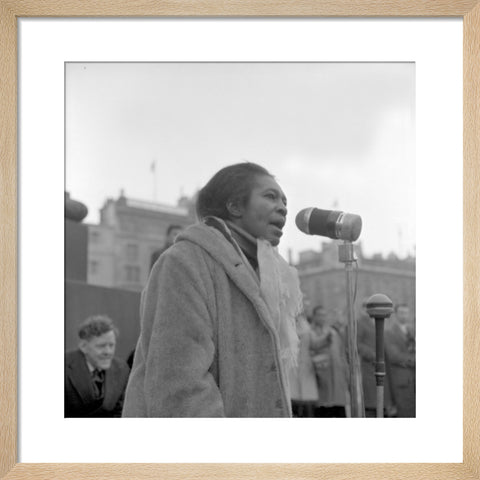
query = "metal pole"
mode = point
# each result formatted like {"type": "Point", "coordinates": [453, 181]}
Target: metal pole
{"type": "Point", "coordinates": [379, 365]}
{"type": "Point", "coordinates": [346, 256]}
{"type": "Point", "coordinates": [379, 307]}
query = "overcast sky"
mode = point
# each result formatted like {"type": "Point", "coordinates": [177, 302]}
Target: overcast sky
{"type": "Point", "coordinates": [335, 135]}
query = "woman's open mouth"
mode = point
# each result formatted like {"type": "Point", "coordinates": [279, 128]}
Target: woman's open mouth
{"type": "Point", "coordinates": [278, 226]}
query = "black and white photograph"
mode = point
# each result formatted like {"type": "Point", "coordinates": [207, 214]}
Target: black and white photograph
{"type": "Point", "coordinates": [240, 239]}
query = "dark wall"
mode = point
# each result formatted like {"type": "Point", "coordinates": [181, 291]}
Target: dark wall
{"type": "Point", "coordinates": [122, 306]}
{"type": "Point", "coordinates": [76, 239]}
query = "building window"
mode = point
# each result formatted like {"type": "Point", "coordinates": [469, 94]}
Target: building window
{"type": "Point", "coordinates": [93, 267]}
{"type": "Point", "coordinates": [132, 252]}
{"type": "Point", "coordinates": [132, 274]}
{"type": "Point", "coordinates": [94, 236]}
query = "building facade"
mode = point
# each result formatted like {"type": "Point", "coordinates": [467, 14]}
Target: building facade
{"type": "Point", "coordinates": [120, 247]}
{"type": "Point", "coordinates": [323, 279]}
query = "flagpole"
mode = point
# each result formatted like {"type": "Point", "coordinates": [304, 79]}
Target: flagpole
{"type": "Point", "coordinates": [153, 169]}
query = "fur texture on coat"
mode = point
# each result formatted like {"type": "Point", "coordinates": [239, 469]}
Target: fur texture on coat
{"type": "Point", "coordinates": [207, 346]}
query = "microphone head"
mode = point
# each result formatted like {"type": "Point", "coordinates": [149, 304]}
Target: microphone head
{"type": "Point", "coordinates": [349, 227]}
{"type": "Point", "coordinates": [379, 306]}
{"type": "Point", "coordinates": [329, 223]}
{"type": "Point", "coordinates": [302, 220]}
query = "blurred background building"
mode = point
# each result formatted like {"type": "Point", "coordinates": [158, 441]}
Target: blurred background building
{"type": "Point", "coordinates": [120, 247]}
{"type": "Point", "coordinates": [107, 265]}
{"type": "Point", "coordinates": [322, 278]}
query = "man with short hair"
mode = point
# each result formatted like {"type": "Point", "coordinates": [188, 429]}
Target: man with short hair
{"type": "Point", "coordinates": [95, 379]}
{"type": "Point", "coordinates": [172, 232]}
{"type": "Point", "coordinates": [400, 349]}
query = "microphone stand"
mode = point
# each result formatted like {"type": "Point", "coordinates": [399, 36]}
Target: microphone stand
{"type": "Point", "coordinates": [346, 255]}
{"type": "Point", "coordinates": [379, 307]}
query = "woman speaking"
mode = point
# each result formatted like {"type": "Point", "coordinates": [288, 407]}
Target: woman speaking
{"type": "Point", "coordinates": [218, 312]}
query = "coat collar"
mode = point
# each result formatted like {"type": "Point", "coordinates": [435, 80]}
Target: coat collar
{"type": "Point", "coordinates": [79, 374]}
{"type": "Point", "coordinates": [219, 243]}
{"type": "Point", "coordinates": [246, 242]}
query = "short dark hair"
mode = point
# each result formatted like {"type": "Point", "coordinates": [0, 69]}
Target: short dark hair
{"type": "Point", "coordinates": [95, 326]}
{"type": "Point", "coordinates": [173, 227]}
{"type": "Point", "coordinates": [317, 307]}
{"type": "Point", "coordinates": [400, 305]}
{"type": "Point", "coordinates": [230, 184]}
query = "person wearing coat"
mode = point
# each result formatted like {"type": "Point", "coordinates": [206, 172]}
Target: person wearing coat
{"type": "Point", "coordinates": [400, 349]}
{"type": "Point", "coordinates": [329, 358]}
{"type": "Point", "coordinates": [218, 312]}
{"type": "Point", "coordinates": [95, 379]}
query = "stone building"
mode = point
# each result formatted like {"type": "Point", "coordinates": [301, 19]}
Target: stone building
{"type": "Point", "coordinates": [83, 299]}
{"type": "Point", "coordinates": [120, 247]}
{"type": "Point", "coordinates": [322, 278]}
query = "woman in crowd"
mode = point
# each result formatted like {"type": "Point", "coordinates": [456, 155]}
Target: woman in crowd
{"type": "Point", "coordinates": [218, 313]}
{"type": "Point", "coordinates": [329, 359]}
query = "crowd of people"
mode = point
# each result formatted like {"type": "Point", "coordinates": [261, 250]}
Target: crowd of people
{"type": "Point", "coordinates": [223, 331]}
{"type": "Point", "coordinates": [320, 383]}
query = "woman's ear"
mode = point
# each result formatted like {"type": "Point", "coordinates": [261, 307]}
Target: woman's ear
{"type": "Point", "coordinates": [235, 209]}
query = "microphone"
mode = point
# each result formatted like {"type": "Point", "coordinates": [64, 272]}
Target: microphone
{"type": "Point", "coordinates": [329, 223]}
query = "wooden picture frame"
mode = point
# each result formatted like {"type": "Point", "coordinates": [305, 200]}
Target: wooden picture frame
{"type": "Point", "coordinates": [12, 10]}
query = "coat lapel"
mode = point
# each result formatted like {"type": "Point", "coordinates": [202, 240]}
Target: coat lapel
{"type": "Point", "coordinates": [80, 377]}
{"type": "Point", "coordinates": [238, 269]}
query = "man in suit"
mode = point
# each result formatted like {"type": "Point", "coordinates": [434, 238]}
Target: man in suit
{"type": "Point", "coordinates": [95, 379]}
{"type": "Point", "coordinates": [172, 232]}
{"type": "Point", "coordinates": [400, 348]}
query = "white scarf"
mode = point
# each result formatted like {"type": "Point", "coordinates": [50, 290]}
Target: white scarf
{"type": "Point", "coordinates": [280, 289]}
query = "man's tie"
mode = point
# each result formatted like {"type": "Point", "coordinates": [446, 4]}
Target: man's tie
{"type": "Point", "coordinates": [98, 377]}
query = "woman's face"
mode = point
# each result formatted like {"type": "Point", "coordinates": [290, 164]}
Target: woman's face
{"type": "Point", "coordinates": [265, 212]}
